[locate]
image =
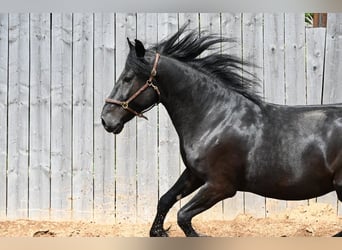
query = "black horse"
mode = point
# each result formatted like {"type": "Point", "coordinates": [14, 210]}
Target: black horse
{"type": "Point", "coordinates": [230, 139]}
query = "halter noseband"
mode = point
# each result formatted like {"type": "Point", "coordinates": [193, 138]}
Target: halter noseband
{"type": "Point", "coordinates": [149, 83]}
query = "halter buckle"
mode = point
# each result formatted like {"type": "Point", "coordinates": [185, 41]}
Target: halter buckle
{"type": "Point", "coordinates": [156, 89]}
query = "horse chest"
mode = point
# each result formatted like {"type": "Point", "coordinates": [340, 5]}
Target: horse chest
{"type": "Point", "coordinates": [214, 157]}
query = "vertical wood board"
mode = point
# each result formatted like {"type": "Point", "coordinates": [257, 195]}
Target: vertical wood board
{"type": "Point", "coordinates": [126, 153]}
{"type": "Point", "coordinates": [18, 116]}
{"type": "Point", "coordinates": [104, 151]}
{"type": "Point", "coordinates": [3, 111]}
{"type": "Point", "coordinates": [39, 168]}
{"type": "Point", "coordinates": [82, 116]}
{"type": "Point", "coordinates": [61, 116]}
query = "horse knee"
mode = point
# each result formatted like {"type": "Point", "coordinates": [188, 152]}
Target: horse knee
{"type": "Point", "coordinates": [165, 202]}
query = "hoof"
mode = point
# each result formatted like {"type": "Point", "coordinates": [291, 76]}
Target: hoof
{"type": "Point", "coordinates": [338, 234]}
{"type": "Point", "coordinates": [159, 232]}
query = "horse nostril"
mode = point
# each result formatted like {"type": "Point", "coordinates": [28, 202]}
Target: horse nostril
{"type": "Point", "coordinates": [103, 122]}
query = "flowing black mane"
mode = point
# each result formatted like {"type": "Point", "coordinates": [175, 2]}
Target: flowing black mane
{"type": "Point", "coordinates": [187, 46]}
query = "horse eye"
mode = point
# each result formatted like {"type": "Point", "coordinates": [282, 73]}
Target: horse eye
{"type": "Point", "coordinates": [128, 79]}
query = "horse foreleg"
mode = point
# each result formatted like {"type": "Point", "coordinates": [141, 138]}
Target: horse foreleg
{"type": "Point", "coordinates": [338, 188]}
{"type": "Point", "coordinates": [185, 185]}
{"type": "Point", "coordinates": [206, 197]}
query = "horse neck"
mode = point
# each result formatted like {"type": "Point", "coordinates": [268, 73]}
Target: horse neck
{"type": "Point", "coordinates": [190, 95]}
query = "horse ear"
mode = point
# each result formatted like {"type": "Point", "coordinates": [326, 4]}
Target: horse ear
{"type": "Point", "coordinates": [139, 48]}
{"type": "Point", "coordinates": [130, 44]}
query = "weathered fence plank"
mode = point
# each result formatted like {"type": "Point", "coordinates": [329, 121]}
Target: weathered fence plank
{"type": "Point", "coordinates": [295, 59]}
{"type": "Point", "coordinates": [191, 19]}
{"type": "Point", "coordinates": [211, 23]}
{"type": "Point", "coordinates": [169, 166]}
{"type": "Point", "coordinates": [18, 116]}
{"type": "Point", "coordinates": [274, 54]}
{"type": "Point", "coordinates": [315, 51]}
{"type": "Point", "coordinates": [3, 111]}
{"type": "Point", "coordinates": [274, 82]}
{"type": "Point", "coordinates": [252, 27]}
{"type": "Point", "coordinates": [61, 116]}
{"type": "Point", "coordinates": [83, 116]}
{"type": "Point", "coordinates": [39, 169]}
{"type": "Point", "coordinates": [231, 28]}
{"type": "Point", "coordinates": [104, 151]}
{"type": "Point", "coordinates": [147, 136]}
{"type": "Point", "coordinates": [126, 153]}
{"type": "Point", "coordinates": [333, 77]}
{"type": "Point", "coordinates": [333, 63]}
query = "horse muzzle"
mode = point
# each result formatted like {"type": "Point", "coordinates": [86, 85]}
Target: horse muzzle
{"type": "Point", "coordinates": [110, 127]}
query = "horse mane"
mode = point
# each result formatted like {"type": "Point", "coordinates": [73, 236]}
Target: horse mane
{"type": "Point", "coordinates": [186, 46]}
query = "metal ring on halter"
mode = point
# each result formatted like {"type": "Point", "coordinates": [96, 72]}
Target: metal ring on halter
{"type": "Point", "coordinates": [153, 72]}
{"type": "Point", "coordinates": [124, 105]}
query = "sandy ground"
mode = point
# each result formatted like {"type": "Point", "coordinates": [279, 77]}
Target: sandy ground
{"type": "Point", "coordinates": [313, 220]}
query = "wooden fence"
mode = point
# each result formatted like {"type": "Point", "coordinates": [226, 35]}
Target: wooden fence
{"type": "Point", "coordinates": [56, 160]}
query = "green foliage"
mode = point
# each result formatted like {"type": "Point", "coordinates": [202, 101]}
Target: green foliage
{"type": "Point", "coordinates": [309, 19]}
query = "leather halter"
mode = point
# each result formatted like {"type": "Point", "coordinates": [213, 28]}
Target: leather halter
{"type": "Point", "coordinates": [149, 83]}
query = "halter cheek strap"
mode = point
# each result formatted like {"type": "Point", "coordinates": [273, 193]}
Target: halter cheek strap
{"type": "Point", "coordinates": [148, 83]}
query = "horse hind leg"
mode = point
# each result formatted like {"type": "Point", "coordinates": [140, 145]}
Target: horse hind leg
{"type": "Point", "coordinates": [207, 196]}
{"type": "Point", "coordinates": [185, 185]}
{"type": "Point", "coordinates": [338, 187]}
